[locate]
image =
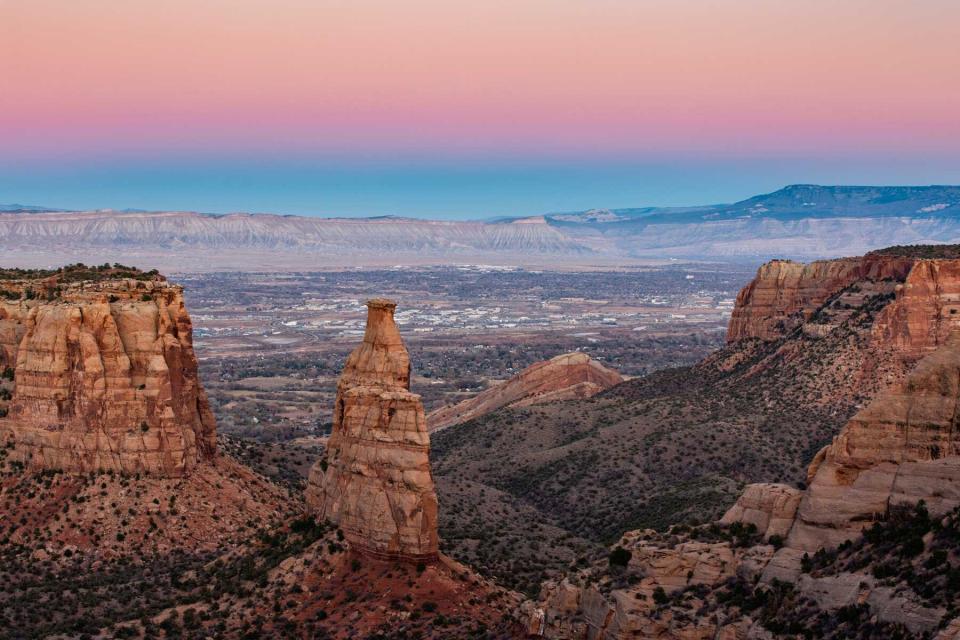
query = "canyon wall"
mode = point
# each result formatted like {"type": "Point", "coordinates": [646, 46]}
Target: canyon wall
{"type": "Point", "coordinates": [104, 377]}
{"type": "Point", "coordinates": [902, 448]}
{"type": "Point", "coordinates": [785, 294]}
{"type": "Point", "coordinates": [375, 481]}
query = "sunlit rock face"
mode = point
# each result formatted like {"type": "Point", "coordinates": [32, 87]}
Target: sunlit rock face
{"type": "Point", "coordinates": [374, 481]}
{"type": "Point", "coordinates": [105, 378]}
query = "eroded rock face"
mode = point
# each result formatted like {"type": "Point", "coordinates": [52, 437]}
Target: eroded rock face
{"type": "Point", "coordinates": [902, 448]}
{"type": "Point", "coordinates": [580, 607]}
{"type": "Point", "coordinates": [105, 379]}
{"type": "Point", "coordinates": [785, 294]}
{"type": "Point", "coordinates": [375, 480]}
{"type": "Point", "coordinates": [768, 506]}
{"type": "Point", "coordinates": [926, 308]}
{"type": "Point", "coordinates": [565, 377]}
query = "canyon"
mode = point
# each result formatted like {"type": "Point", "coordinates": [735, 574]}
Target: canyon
{"type": "Point", "coordinates": [802, 480]}
{"type": "Point", "coordinates": [811, 559]}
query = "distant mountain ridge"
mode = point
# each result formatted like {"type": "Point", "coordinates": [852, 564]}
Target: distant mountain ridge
{"type": "Point", "coordinates": [796, 202]}
{"type": "Point", "coordinates": [798, 221]}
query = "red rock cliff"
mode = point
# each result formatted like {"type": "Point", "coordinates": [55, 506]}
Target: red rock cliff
{"type": "Point", "coordinates": [785, 294]}
{"type": "Point", "coordinates": [105, 378]}
{"type": "Point", "coordinates": [926, 308]}
{"type": "Point", "coordinates": [375, 480]}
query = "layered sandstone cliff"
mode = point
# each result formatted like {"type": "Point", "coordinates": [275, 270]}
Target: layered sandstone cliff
{"type": "Point", "coordinates": [902, 448]}
{"type": "Point", "coordinates": [564, 377]}
{"type": "Point", "coordinates": [770, 507]}
{"type": "Point", "coordinates": [374, 481]}
{"type": "Point", "coordinates": [104, 377]}
{"type": "Point", "coordinates": [784, 294]}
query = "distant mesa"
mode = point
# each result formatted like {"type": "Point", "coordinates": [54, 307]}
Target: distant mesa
{"type": "Point", "coordinates": [375, 481]}
{"type": "Point", "coordinates": [564, 377]}
{"type": "Point", "coordinates": [799, 221]}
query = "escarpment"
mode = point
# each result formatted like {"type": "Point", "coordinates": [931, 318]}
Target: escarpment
{"type": "Point", "coordinates": [902, 448]}
{"type": "Point", "coordinates": [565, 377]}
{"type": "Point", "coordinates": [915, 301]}
{"type": "Point", "coordinates": [867, 546]}
{"type": "Point", "coordinates": [783, 559]}
{"type": "Point", "coordinates": [375, 481]}
{"type": "Point", "coordinates": [785, 294]}
{"type": "Point", "coordinates": [104, 377]}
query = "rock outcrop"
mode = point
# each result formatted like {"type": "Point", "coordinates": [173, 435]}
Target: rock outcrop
{"type": "Point", "coordinates": [104, 377]}
{"type": "Point", "coordinates": [769, 507]}
{"type": "Point", "coordinates": [565, 377]}
{"type": "Point", "coordinates": [902, 448]}
{"type": "Point", "coordinates": [785, 294]}
{"type": "Point", "coordinates": [374, 481]}
{"type": "Point", "coordinates": [604, 608]}
{"type": "Point", "coordinates": [926, 309]}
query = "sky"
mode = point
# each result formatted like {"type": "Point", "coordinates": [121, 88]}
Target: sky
{"type": "Point", "coordinates": [469, 109]}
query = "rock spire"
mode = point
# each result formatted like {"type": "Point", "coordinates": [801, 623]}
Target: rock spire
{"type": "Point", "coordinates": [374, 481]}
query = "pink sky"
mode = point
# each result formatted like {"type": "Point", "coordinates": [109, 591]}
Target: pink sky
{"type": "Point", "coordinates": [603, 77]}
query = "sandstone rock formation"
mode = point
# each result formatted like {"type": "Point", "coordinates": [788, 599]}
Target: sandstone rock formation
{"type": "Point", "coordinates": [375, 480]}
{"type": "Point", "coordinates": [926, 308]}
{"type": "Point", "coordinates": [902, 448]}
{"type": "Point", "coordinates": [784, 294]}
{"type": "Point", "coordinates": [771, 508]}
{"type": "Point", "coordinates": [583, 607]}
{"type": "Point", "coordinates": [564, 377]}
{"type": "Point", "coordinates": [105, 377]}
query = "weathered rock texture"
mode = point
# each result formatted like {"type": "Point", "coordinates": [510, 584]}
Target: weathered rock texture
{"type": "Point", "coordinates": [565, 377]}
{"type": "Point", "coordinates": [902, 448]}
{"type": "Point", "coordinates": [583, 607]}
{"type": "Point", "coordinates": [926, 308]}
{"type": "Point", "coordinates": [375, 479]}
{"type": "Point", "coordinates": [105, 379]}
{"type": "Point", "coordinates": [785, 294]}
{"type": "Point", "coordinates": [771, 508]}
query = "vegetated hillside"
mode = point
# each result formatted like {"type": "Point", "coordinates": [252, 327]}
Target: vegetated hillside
{"type": "Point", "coordinates": [809, 221]}
{"type": "Point", "coordinates": [675, 446]}
{"type": "Point", "coordinates": [298, 579]}
{"type": "Point", "coordinates": [706, 582]}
